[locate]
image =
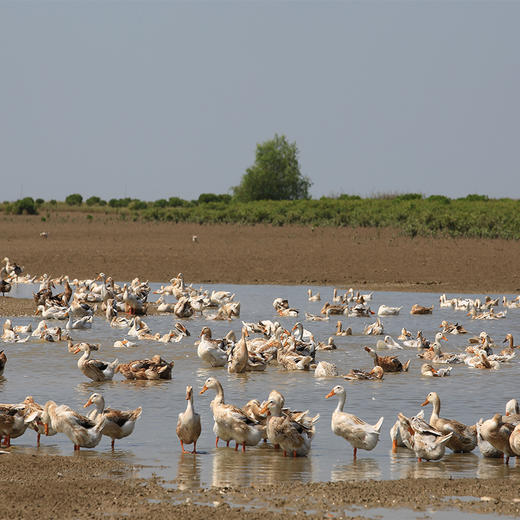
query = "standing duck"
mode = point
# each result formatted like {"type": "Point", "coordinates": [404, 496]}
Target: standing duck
{"type": "Point", "coordinates": [188, 424]}
{"type": "Point", "coordinates": [498, 434]}
{"type": "Point", "coordinates": [353, 429]}
{"type": "Point", "coordinates": [118, 423]}
{"type": "Point", "coordinates": [464, 437]}
{"type": "Point", "coordinates": [211, 351]}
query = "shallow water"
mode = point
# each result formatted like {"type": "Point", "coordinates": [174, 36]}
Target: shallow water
{"type": "Point", "coordinates": [48, 371]}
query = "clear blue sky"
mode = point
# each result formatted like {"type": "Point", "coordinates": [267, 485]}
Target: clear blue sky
{"type": "Point", "coordinates": [155, 99]}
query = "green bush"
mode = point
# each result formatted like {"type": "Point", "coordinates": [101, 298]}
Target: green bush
{"type": "Point", "coordinates": [25, 205]}
{"type": "Point", "coordinates": [74, 199]}
{"type": "Point", "coordinates": [93, 201]}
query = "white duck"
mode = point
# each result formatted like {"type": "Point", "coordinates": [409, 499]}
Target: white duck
{"type": "Point", "coordinates": [211, 351]}
{"type": "Point", "coordinates": [353, 429]}
{"type": "Point", "coordinates": [385, 310]}
{"type": "Point", "coordinates": [188, 424]}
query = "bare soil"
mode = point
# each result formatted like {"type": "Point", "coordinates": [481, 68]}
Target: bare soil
{"type": "Point", "coordinates": [380, 259]}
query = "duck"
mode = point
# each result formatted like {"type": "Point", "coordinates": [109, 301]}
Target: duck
{"type": "Point", "coordinates": [486, 449]}
{"type": "Point", "coordinates": [82, 323]}
{"type": "Point", "coordinates": [427, 442]}
{"type": "Point", "coordinates": [3, 362]}
{"type": "Point", "coordinates": [163, 306]}
{"type": "Point", "coordinates": [332, 309]}
{"type": "Point", "coordinates": [356, 374]}
{"type": "Point", "coordinates": [514, 441]}
{"type": "Point", "coordinates": [188, 423]}
{"type": "Point", "coordinates": [313, 297]}
{"type": "Point", "coordinates": [385, 310]}
{"type": "Point", "coordinates": [13, 422]}
{"type": "Point", "coordinates": [464, 439]}
{"type": "Point", "coordinates": [82, 431]}
{"type": "Point", "coordinates": [211, 351]}
{"type": "Point", "coordinates": [388, 363]}
{"type": "Point", "coordinates": [325, 369]}
{"type": "Point", "coordinates": [239, 355]}
{"type": "Point", "coordinates": [281, 430]}
{"type": "Point", "coordinates": [510, 349]}
{"type": "Point", "coordinates": [374, 329]}
{"type": "Point", "coordinates": [343, 332]}
{"type": "Point", "coordinates": [357, 432]}
{"type": "Point", "coordinates": [5, 286]}
{"type": "Point", "coordinates": [316, 317]}
{"type": "Point", "coordinates": [231, 423]}
{"type": "Point", "coordinates": [37, 425]}
{"type": "Point", "coordinates": [121, 322]}
{"type": "Point", "coordinates": [118, 423]}
{"type": "Point", "coordinates": [388, 342]}
{"type": "Point", "coordinates": [146, 369]}
{"type": "Point", "coordinates": [428, 371]}
{"type": "Point", "coordinates": [419, 309]}
{"type": "Point", "coordinates": [330, 345]}
{"type": "Point", "coordinates": [124, 343]}
{"type": "Point", "coordinates": [400, 434]}
{"type": "Point", "coordinates": [498, 434]}
{"type": "Point", "coordinates": [452, 328]}
{"type": "Point", "coordinates": [94, 369]}
{"type": "Point", "coordinates": [405, 335]}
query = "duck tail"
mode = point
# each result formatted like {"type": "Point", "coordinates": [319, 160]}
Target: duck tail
{"type": "Point", "coordinates": [378, 424]}
{"type": "Point", "coordinates": [406, 365]}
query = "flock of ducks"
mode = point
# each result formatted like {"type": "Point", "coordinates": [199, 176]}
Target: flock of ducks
{"type": "Point", "coordinates": [261, 344]}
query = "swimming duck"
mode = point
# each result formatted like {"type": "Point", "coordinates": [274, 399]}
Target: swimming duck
{"type": "Point", "coordinates": [94, 368]}
{"type": "Point", "coordinates": [388, 342]}
{"type": "Point", "coordinates": [188, 424]}
{"type": "Point", "coordinates": [146, 369]}
{"type": "Point", "coordinates": [510, 349]}
{"type": "Point", "coordinates": [427, 442]}
{"type": "Point", "coordinates": [82, 323]}
{"type": "Point", "coordinates": [388, 363]}
{"type": "Point", "coordinates": [353, 429]}
{"type": "Point", "coordinates": [313, 297]}
{"type": "Point", "coordinates": [325, 369]}
{"type": "Point", "coordinates": [385, 310]}
{"type": "Point", "coordinates": [211, 351]}
{"type": "Point", "coordinates": [428, 371]}
{"type": "Point", "coordinates": [3, 362]}
{"type": "Point", "coordinates": [330, 345]}
{"type": "Point", "coordinates": [231, 423]}
{"type": "Point", "coordinates": [464, 437]}
{"type": "Point", "coordinates": [83, 432]}
{"type": "Point", "coordinates": [356, 374]}
{"type": "Point", "coordinates": [290, 435]}
{"type": "Point", "coordinates": [118, 423]}
{"type": "Point", "coordinates": [419, 309]}
{"type": "Point", "coordinates": [374, 329]}
{"type": "Point", "coordinates": [343, 332]}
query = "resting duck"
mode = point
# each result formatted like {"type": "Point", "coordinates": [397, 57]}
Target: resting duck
{"type": "Point", "coordinates": [211, 351]}
{"type": "Point", "coordinates": [353, 429]}
{"type": "Point", "coordinates": [82, 323]}
{"type": "Point", "coordinates": [239, 355]}
{"type": "Point", "coordinates": [514, 441]}
{"type": "Point", "coordinates": [118, 423]}
{"type": "Point", "coordinates": [37, 425]}
{"type": "Point", "coordinates": [510, 349]}
{"type": "Point", "coordinates": [83, 432]}
{"type": "Point", "coordinates": [362, 375]}
{"type": "Point", "coordinates": [330, 345]}
{"type": "Point", "coordinates": [332, 309]}
{"type": "Point", "coordinates": [343, 332]}
{"type": "Point", "coordinates": [325, 369]}
{"type": "Point", "coordinates": [388, 342]}
{"type": "Point", "coordinates": [498, 434]}
{"type": "Point", "coordinates": [388, 363]}
{"type": "Point", "coordinates": [3, 362]}
{"type": "Point", "coordinates": [427, 442]}
{"type": "Point", "coordinates": [188, 424]}
{"type": "Point", "coordinates": [231, 423]}
{"type": "Point", "coordinates": [281, 431]}
{"type": "Point", "coordinates": [452, 328]}
{"type": "Point", "coordinates": [147, 369]}
{"type": "Point", "coordinates": [94, 369]}
{"type": "Point", "coordinates": [5, 286]}
{"type": "Point", "coordinates": [401, 435]}
{"type": "Point", "coordinates": [487, 449]}
{"type": "Point", "coordinates": [464, 437]}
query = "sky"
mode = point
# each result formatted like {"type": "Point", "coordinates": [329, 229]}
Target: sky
{"type": "Point", "coordinates": [150, 99]}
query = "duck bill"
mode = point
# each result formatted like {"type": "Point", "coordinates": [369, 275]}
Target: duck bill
{"type": "Point", "coordinates": [330, 394]}
{"type": "Point", "coordinates": [204, 388]}
{"type": "Point", "coordinates": [264, 410]}
{"type": "Point", "coordinates": [444, 338]}
{"type": "Point", "coordinates": [425, 403]}
{"type": "Point", "coordinates": [88, 403]}
{"type": "Point", "coordinates": [76, 350]}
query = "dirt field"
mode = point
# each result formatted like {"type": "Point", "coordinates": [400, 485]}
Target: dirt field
{"type": "Point", "coordinates": [379, 259]}
{"type": "Point", "coordinates": [90, 487]}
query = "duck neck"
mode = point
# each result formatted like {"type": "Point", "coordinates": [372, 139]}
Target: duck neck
{"type": "Point", "coordinates": [220, 394]}
{"type": "Point", "coordinates": [341, 401]}
{"type": "Point", "coordinates": [189, 407]}
{"type": "Point", "coordinates": [84, 357]}
{"type": "Point", "coordinates": [436, 410]}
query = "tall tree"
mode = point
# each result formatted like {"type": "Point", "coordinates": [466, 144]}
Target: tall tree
{"type": "Point", "coordinates": [275, 175]}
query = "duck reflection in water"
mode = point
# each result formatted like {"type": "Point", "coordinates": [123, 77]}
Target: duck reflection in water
{"type": "Point", "coordinates": [188, 471]}
{"type": "Point", "coordinates": [359, 469]}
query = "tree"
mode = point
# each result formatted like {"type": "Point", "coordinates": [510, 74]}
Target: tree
{"type": "Point", "coordinates": [275, 175]}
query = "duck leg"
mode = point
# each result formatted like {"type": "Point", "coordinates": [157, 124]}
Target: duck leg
{"type": "Point", "coordinates": [355, 453]}
{"type": "Point", "coordinates": [194, 447]}
{"type": "Point", "coordinates": [38, 439]}
{"type": "Point", "coordinates": [244, 447]}
{"type": "Point", "coordinates": [216, 442]}
{"type": "Point", "coordinates": [394, 446]}
{"type": "Point", "coordinates": [113, 443]}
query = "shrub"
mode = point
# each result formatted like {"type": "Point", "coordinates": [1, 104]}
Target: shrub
{"type": "Point", "coordinates": [475, 197]}
{"type": "Point", "coordinates": [175, 202]}
{"type": "Point", "coordinates": [74, 199]}
{"type": "Point", "coordinates": [93, 201]}
{"type": "Point", "coordinates": [25, 205]}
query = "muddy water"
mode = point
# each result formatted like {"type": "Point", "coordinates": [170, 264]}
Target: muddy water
{"type": "Point", "coordinates": [48, 371]}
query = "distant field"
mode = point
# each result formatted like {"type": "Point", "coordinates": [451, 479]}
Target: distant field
{"type": "Point", "coordinates": [474, 216]}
